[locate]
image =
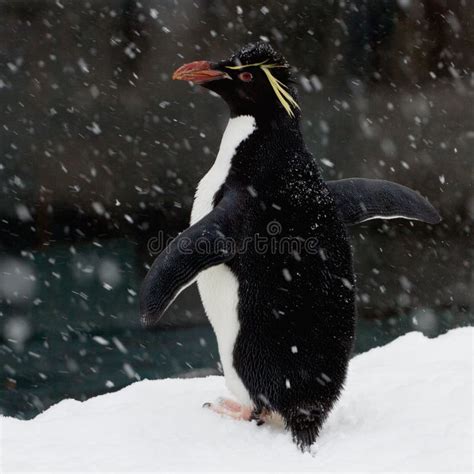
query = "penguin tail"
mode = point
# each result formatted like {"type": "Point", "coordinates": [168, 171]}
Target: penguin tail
{"type": "Point", "coordinates": [304, 425]}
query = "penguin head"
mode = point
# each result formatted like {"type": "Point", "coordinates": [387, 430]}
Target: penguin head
{"type": "Point", "coordinates": [254, 81]}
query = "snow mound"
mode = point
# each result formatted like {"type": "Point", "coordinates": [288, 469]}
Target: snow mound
{"type": "Point", "coordinates": [406, 407]}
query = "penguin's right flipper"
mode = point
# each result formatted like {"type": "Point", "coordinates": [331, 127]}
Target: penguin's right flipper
{"type": "Point", "coordinates": [199, 247]}
{"type": "Point", "coordinates": [359, 200]}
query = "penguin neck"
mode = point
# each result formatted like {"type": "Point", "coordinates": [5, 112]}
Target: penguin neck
{"type": "Point", "coordinates": [273, 118]}
{"type": "Point", "coordinates": [250, 155]}
{"type": "Point", "coordinates": [264, 129]}
{"type": "Point", "coordinates": [250, 143]}
{"type": "Point", "coordinates": [238, 130]}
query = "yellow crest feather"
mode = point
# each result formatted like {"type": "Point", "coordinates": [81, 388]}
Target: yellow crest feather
{"type": "Point", "coordinates": [280, 90]}
{"type": "Point", "coordinates": [278, 87]}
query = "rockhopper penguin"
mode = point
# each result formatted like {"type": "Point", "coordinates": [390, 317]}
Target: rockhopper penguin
{"type": "Point", "coordinates": [284, 314]}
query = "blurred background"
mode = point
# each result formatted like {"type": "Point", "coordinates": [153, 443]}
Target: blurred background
{"type": "Point", "coordinates": [100, 150]}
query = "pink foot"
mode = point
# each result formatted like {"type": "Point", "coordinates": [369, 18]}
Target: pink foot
{"type": "Point", "coordinates": [230, 408]}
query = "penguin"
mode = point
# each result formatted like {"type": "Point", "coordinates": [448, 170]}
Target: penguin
{"type": "Point", "coordinates": [284, 317]}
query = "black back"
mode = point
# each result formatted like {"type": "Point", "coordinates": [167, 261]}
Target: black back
{"type": "Point", "coordinates": [296, 309]}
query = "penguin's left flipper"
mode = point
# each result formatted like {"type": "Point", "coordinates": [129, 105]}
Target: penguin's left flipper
{"type": "Point", "coordinates": [199, 247]}
{"type": "Point", "coordinates": [359, 200]}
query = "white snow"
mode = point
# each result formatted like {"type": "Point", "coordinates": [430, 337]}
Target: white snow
{"type": "Point", "coordinates": [407, 407]}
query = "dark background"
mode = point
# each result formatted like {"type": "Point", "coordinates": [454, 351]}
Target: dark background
{"type": "Point", "coordinates": [100, 150]}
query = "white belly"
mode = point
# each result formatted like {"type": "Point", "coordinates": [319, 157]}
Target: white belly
{"type": "Point", "coordinates": [219, 290]}
{"type": "Point", "coordinates": [218, 286]}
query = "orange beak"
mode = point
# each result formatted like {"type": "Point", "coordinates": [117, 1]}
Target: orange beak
{"type": "Point", "coordinates": [198, 72]}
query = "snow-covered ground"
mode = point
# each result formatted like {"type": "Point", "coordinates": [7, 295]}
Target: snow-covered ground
{"type": "Point", "coordinates": [407, 407]}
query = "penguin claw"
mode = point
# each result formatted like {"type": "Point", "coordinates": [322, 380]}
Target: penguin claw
{"type": "Point", "coordinates": [259, 415]}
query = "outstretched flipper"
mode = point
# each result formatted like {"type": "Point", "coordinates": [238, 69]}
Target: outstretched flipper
{"type": "Point", "coordinates": [359, 200]}
{"type": "Point", "coordinates": [199, 247]}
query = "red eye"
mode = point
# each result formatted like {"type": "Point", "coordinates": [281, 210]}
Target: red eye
{"type": "Point", "coordinates": [245, 76]}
